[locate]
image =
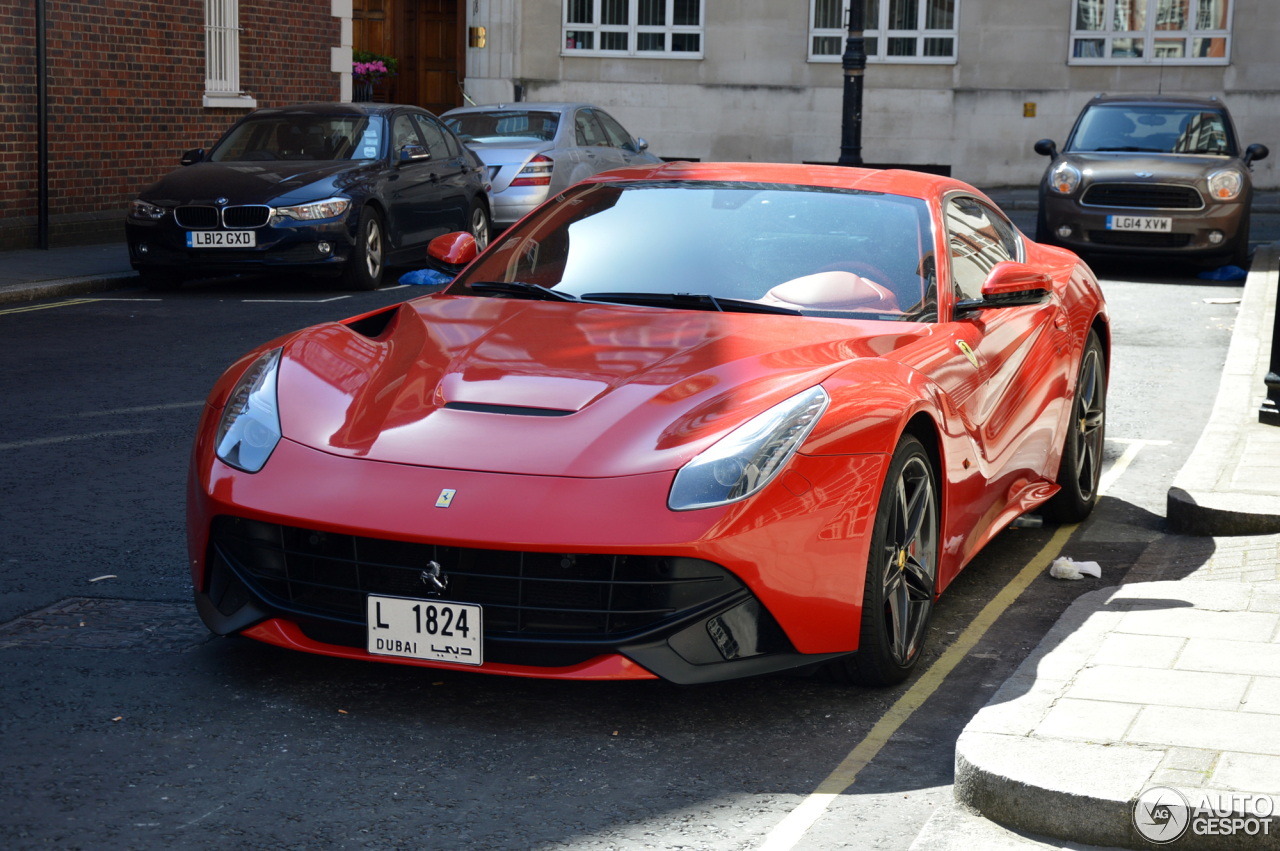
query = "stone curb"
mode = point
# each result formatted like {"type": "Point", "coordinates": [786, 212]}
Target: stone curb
{"type": "Point", "coordinates": [67, 286]}
{"type": "Point", "coordinates": [1201, 501]}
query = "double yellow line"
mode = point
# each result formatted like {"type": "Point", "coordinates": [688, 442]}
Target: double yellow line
{"type": "Point", "coordinates": [31, 307]}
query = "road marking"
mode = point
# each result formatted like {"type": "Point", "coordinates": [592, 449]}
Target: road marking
{"type": "Point", "coordinates": [396, 287]}
{"type": "Point", "coordinates": [30, 308]}
{"type": "Point", "coordinates": [1126, 458]}
{"type": "Point", "coordinates": [67, 438]}
{"type": "Point", "coordinates": [140, 410]}
{"type": "Point", "coordinates": [293, 300]}
{"type": "Point", "coordinates": [789, 831]}
{"type": "Point", "coordinates": [130, 299]}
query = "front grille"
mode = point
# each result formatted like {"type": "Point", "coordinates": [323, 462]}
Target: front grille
{"type": "Point", "coordinates": [254, 216]}
{"type": "Point", "coordinates": [1143, 196]}
{"type": "Point", "coordinates": [200, 218]}
{"type": "Point", "coordinates": [524, 594]}
{"type": "Point", "coordinates": [1138, 239]}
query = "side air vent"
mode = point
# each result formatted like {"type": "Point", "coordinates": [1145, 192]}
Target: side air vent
{"type": "Point", "coordinates": [375, 324]}
{"type": "Point", "coordinates": [512, 410]}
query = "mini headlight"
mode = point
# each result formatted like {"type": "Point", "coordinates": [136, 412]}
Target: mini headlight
{"type": "Point", "coordinates": [1226, 185]}
{"type": "Point", "coordinates": [747, 458]}
{"type": "Point", "coordinates": [1064, 178]}
{"type": "Point", "coordinates": [142, 210]}
{"type": "Point", "coordinates": [325, 209]}
{"type": "Point", "coordinates": [250, 426]}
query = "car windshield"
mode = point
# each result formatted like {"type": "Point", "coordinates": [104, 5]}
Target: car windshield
{"type": "Point", "coordinates": [1152, 129]}
{"type": "Point", "coordinates": [302, 137]}
{"type": "Point", "coordinates": [504, 126]}
{"type": "Point", "coordinates": [816, 251]}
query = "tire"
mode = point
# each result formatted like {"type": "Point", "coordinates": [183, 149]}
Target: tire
{"type": "Point", "coordinates": [1081, 466]}
{"type": "Point", "coordinates": [479, 225]}
{"type": "Point", "coordinates": [902, 573]}
{"type": "Point", "coordinates": [158, 281]}
{"type": "Point", "coordinates": [1042, 228]}
{"type": "Point", "coordinates": [368, 258]}
{"type": "Point", "coordinates": [1240, 256]}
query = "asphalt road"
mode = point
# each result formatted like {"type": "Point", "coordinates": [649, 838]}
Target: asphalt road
{"type": "Point", "coordinates": [138, 731]}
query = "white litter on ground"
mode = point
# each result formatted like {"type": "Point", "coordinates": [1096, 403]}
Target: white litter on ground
{"type": "Point", "coordinates": [1065, 568]}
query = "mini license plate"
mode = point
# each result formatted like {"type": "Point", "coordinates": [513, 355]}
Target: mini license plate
{"type": "Point", "coordinates": [425, 629]}
{"type": "Point", "coordinates": [1155, 224]}
{"type": "Point", "coordinates": [222, 239]}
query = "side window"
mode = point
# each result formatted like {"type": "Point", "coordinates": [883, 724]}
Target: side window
{"type": "Point", "coordinates": [403, 133]}
{"type": "Point", "coordinates": [618, 136]}
{"type": "Point", "coordinates": [434, 137]}
{"type": "Point", "coordinates": [588, 131]}
{"type": "Point", "coordinates": [979, 239]}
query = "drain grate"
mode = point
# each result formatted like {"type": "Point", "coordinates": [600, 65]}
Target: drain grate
{"type": "Point", "coordinates": [90, 623]}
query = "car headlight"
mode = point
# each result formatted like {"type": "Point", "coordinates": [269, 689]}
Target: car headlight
{"type": "Point", "coordinates": [250, 426]}
{"type": "Point", "coordinates": [1064, 178]}
{"type": "Point", "coordinates": [1226, 185]}
{"type": "Point", "coordinates": [142, 210]}
{"type": "Point", "coordinates": [325, 209]}
{"type": "Point", "coordinates": [747, 458]}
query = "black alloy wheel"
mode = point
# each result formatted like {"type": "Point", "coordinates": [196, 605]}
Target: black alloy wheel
{"type": "Point", "coordinates": [479, 225]}
{"type": "Point", "coordinates": [902, 573]}
{"type": "Point", "coordinates": [364, 269]}
{"type": "Point", "coordinates": [1081, 467]}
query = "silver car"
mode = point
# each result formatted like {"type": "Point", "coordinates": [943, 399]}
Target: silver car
{"type": "Point", "coordinates": [535, 150]}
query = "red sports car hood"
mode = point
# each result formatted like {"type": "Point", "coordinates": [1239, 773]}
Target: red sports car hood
{"type": "Point", "coordinates": [555, 389]}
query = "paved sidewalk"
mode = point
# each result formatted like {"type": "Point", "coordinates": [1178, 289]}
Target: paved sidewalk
{"type": "Point", "coordinates": [30, 273]}
{"type": "Point", "coordinates": [1231, 483]}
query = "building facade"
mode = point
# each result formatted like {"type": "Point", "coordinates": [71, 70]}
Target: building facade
{"type": "Point", "coordinates": [969, 84]}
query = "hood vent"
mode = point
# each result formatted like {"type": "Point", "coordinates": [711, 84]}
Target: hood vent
{"type": "Point", "coordinates": [511, 410]}
{"type": "Point", "coordinates": [375, 324]}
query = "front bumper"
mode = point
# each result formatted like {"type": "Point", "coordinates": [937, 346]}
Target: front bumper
{"type": "Point", "coordinates": [1189, 234]}
{"type": "Point", "coordinates": [162, 246]}
{"type": "Point", "coordinates": [797, 549]}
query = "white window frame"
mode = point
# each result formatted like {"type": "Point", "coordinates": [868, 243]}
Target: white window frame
{"type": "Point", "coordinates": [222, 55]}
{"type": "Point", "coordinates": [882, 34]}
{"type": "Point", "coordinates": [1150, 34]}
{"type": "Point", "coordinates": [632, 28]}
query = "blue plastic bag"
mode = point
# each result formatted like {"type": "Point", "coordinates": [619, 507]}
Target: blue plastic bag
{"type": "Point", "coordinates": [1225, 273]}
{"type": "Point", "coordinates": [425, 277]}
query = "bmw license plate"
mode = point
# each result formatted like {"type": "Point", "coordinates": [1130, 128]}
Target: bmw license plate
{"type": "Point", "coordinates": [425, 629]}
{"type": "Point", "coordinates": [222, 239]}
{"type": "Point", "coordinates": [1154, 224]}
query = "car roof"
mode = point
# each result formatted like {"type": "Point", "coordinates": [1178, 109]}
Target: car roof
{"type": "Point", "coordinates": [524, 104]}
{"type": "Point", "coordinates": [1158, 100]}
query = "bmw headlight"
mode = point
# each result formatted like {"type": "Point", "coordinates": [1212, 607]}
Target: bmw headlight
{"type": "Point", "coordinates": [1226, 185]}
{"type": "Point", "coordinates": [747, 458]}
{"type": "Point", "coordinates": [250, 426]}
{"type": "Point", "coordinates": [325, 209]}
{"type": "Point", "coordinates": [1064, 178]}
{"type": "Point", "coordinates": [139, 209]}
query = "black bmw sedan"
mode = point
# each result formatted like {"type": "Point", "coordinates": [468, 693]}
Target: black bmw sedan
{"type": "Point", "coordinates": [342, 190]}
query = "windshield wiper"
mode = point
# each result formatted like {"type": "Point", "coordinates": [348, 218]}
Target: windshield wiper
{"type": "Point", "coordinates": [691, 301]}
{"type": "Point", "coordinates": [1133, 149]}
{"type": "Point", "coordinates": [521, 289]}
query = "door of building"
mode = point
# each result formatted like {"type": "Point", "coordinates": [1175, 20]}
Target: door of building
{"type": "Point", "coordinates": [432, 70]}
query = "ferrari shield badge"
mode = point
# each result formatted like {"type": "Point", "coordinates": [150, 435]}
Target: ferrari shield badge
{"type": "Point", "coordinates": [445, 498]}
{"type": "Point", "coordinates": [964, 347]}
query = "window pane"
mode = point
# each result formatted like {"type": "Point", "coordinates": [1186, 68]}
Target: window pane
{"type": "Point", "coordinates": [614, 13]}
{"type": "Point", "coordinates": [579, 40]}
{"type": "Point", "coordinates": [686, 13]}
{"type": "Point", "coordinates": [1169, 48]}
{"type": "Point", "coordinates": [871, 16]}
{"type": "Point", "coordinates": [1127, 48]}
{"type": "Point", "coordinates": [872, 46]}
{"type": "Point", "coordinates": [1206, 48]}
{"type": "Point", "coordinates": [586, 130]}
{"type": "Point", "coordinates": [1090, 48]}
{"type": "Point", "coordinates": [613, 41]}
{"type": "Point", "coordinates": [978, 243]}
{"type": "Point", "coordinates": [652, 13]}
{"type": "Point", "coordinates": [651, 41]}
{"type": "Point", "coordinates": [686, 42]}
{"type": "Point", "coordinates": [1212, 15]}
{"type": "Point", "coordinates": [939, 15]}
{"type": "Point", "coordinates": [580, 11]}
{"type": "Point", "coordinates": [826, 15]}
{"type": "Point", "coordinates": [1089, 14]}
{"type": "Point", "coordinates": [904, 15]}
{"type": "Point", "coordinates": [902, 47]}
{"type": "Point", "coordinates": [1131, 16]}
{"type": "Point", "coordinates": [938, 46]}
{"type": "Point", "coordinates": [827, 45]}
{"type": "Point", "coordinates": [1173, 14]}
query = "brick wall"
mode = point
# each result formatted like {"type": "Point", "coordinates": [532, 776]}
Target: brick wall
{"type": "Point", "coordinates": [126, 81]}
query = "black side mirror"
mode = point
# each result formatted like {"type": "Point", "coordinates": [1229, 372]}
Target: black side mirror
{"type": "Point", "coordinates": [192, 156]}
{"type": "Point", "coordinates": [1253, 153]}
{"type": "Point", "coordinates": [1046, 148]}
{"type": "Point", "coordinates": [413, 154]}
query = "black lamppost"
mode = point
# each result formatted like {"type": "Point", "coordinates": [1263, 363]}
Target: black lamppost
{"type": "Point", "coordinates": [1269, 413]}
{"type": "Point", "coordinates": [855, 62]}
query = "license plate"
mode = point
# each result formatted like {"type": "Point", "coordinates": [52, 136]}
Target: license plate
{"type": "Point", "coordinates": [425, 629]}
{"type": "Point", "coordinates": [221, 239]}
{"type": "Point", "coordinates": [1146, 223]}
